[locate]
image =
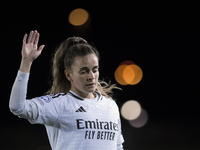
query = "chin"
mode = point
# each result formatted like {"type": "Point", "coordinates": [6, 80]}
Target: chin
{"type": "Point", "coordinates": [91, 90]}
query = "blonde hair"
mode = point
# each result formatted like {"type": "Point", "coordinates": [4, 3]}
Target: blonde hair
{"type": "Point", "coordinates": [64, 58]}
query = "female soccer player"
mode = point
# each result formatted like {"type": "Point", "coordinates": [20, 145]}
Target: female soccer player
{"type": "Point", "coordinates": [77, 112]}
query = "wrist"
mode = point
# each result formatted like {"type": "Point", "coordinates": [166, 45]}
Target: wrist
{"type": "Point", "coordinates": [25, 65]}
{"type": "Point", "coordinates": [27, 60]}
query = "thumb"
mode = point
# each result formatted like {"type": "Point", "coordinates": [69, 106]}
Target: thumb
{"type": "Point", "coordinates": [41, 48]}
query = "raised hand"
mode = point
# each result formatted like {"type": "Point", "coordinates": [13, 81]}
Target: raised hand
{"type": "Point", "coordinates": [29, 48]}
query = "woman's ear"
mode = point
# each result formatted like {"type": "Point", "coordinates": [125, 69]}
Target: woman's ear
{"type": "Point", "coordinates": [68, 75]}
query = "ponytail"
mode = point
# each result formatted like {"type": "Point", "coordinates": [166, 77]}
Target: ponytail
{"type": "Point", "coordinates": [64, 58]}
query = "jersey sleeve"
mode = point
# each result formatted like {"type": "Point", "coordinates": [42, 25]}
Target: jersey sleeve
{"type": "Point", "coordinates": [41, 110]}
{"type": "Point", "coordinates": [18, 104]}
{"type": "Point", "coordinates": [120, 138]}
{"type": "Point", "coordinates": [48, 110]}
{"type": "Point", "coordinates": [18, 93]}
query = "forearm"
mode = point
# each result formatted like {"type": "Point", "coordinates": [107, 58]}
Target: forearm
{"type": "Point", "coordinates": [18, 93]}
{"type": "Point", "coordinates": [19, 89]}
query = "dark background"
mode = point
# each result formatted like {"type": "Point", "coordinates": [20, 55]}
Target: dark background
{"type": "Point", "coordinates": [159, 36]}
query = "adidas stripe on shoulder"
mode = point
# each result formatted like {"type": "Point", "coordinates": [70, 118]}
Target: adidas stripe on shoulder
{"type": "Point", "coordinates": [57, 95]}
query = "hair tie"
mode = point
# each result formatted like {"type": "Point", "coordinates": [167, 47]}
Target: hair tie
{"type": "Point", "coordinates": [76, 42]}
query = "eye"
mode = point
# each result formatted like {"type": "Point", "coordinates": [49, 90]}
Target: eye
{"type": "Point", "coordinates": [95, 70]}
{"type": "Point", "coordinates": [83, 72]}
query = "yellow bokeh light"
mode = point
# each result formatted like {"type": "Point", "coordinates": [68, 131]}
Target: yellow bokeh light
{"type": "Point", "coordinates": [138, 75]}
{"type": "Point", "coordinates": [131, 110]}
{"type": "Point", "coordinates": [78, 17]}
{"type": "Point", "coordinates": [119, 75]}
{"type": "Point", "coordinates": [128, 73]}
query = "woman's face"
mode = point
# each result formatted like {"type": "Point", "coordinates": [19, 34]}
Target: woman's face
{"type": "Point", "coordinates": [84, 75]}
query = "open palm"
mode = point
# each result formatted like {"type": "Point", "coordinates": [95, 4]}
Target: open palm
{"type": "Point", "coordinates": [30, 50]}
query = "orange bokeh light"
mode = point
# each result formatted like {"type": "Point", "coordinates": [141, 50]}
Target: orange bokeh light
{"type": "Point", "coordinates": [138, 74]}
{"type": "Point", "coordinates": [128, 73]}
{"type": "Point", "coordinates": [78, 17]}
{"type": "Point", "coordinates": [119, 75]}
{"type": "Point", "coordinates": [127, 62]}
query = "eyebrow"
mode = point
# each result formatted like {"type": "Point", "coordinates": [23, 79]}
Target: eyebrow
{"type": "Point", "coordinates": [85, 68]}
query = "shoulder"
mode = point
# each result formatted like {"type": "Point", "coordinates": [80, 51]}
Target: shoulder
{"type": "Point", "coordinates": [58, 96]}
{"type": "Point", "coordinates": [111, 105]}
{"type": "Point", "coordinates": [109, 101]}
{"type": "Point", "coordinates": [49, 99]}
{"type": "Point", "coordinates": [104, 98]}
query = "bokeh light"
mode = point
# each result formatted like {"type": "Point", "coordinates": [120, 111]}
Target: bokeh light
{"type": "Point", "coordinates": [78, 17]}
{"type": "Point", "coordinates": [141, 120]}
{"type": "Point", "coordinates": [119, 75]}
{"type": "Point", "coordinates": [128, 73]}
{"type": "Point", "coordinates": [130, 110]}
{"type": "Point", "coordinates": [127, 62]}
{"type": "Point", "coordinates": [137, 76]}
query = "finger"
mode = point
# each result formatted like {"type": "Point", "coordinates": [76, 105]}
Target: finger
{"type": "Point", "coordinates": [41, 48]}
{"type": "Point", "coordinates": [24, 39]}
{"type": "Point", "coordinates": [34, 36]}
{"type": "Point", "coordinates": [30, 37]}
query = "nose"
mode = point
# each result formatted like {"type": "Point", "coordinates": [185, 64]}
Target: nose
{"type": "Point", "coordinates": [91, 76]}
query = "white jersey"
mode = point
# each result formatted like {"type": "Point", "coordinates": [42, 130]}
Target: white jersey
{"type": "Point", "coordinates": [76, 123]}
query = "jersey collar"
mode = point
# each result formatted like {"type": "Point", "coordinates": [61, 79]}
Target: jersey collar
{"type": "Point", "coordinates": [81, 98]}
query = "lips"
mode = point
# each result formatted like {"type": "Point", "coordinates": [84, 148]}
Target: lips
{"type": "Point", "coordinates": [91, 84]}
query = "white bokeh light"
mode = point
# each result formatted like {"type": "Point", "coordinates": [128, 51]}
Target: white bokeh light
{"type": "Point", "coordinates": [141, 120]}
{"type": "Point", "coordinates": [131, 110]}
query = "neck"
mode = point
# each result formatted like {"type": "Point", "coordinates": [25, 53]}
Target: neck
{"type": "Point", "coordinates": [88, 95]}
